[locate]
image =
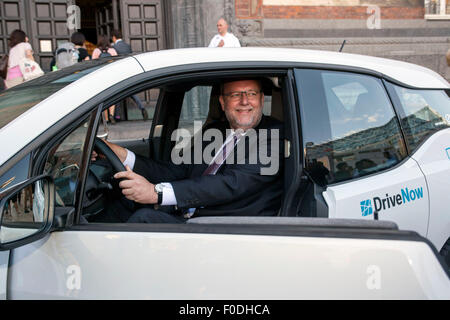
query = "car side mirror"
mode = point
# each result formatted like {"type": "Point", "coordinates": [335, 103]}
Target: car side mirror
{"type": "Point", "coordinates": [26, 212]}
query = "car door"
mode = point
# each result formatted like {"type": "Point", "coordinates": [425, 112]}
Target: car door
{"type": "Point", "coordinates": [80, 261]}
{"type": "Point", "coordinates": [425, 117]}
{"type": "Point", "coordinates": [355, 152]}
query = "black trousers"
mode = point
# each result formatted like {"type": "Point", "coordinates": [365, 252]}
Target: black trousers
{"type": "Point", "coordinates": [126, 211]}
{"type": "Point", "coordinates": [149, 215]}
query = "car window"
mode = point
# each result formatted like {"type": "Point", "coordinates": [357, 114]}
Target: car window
{"type": "Point", "coordinates": [64, 162]}
{"type": "Point", "coordinates": [423, 112]}
{"type": "Point", "coordinates": [195, 107]}
{"type": "Point", "coordinates": [349, 126]}
{"type": "Point", "coordinates": [134, 105]}
{"type": "Point", "coordinates": [18, 100]}
{"type": "Point", "coordinates": [347, 93]}
{"type": "Point", "coordinates": [17, 174]}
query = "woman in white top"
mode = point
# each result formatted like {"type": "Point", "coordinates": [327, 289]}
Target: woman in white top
{"type": "Point", "coordinates": [103, 49]}
{"type": "Point", "coordinates": [20, 49]}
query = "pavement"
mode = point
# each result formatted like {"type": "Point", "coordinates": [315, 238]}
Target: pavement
{"type": "Point", "coordinates": [127, 130]}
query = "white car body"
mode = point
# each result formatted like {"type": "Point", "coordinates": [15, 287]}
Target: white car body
{"type": "Point", "coordinates": [193, 263]}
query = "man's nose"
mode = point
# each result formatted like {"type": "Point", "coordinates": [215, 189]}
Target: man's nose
{"type": "Point", "coordinates": [244, 98]}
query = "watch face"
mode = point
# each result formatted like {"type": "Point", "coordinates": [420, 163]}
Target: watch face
{"type": "Point", "coordinates": [159, 188]}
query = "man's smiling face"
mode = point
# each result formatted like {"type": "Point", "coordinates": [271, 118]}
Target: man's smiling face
{"type": "Point", "coordinates": [242, 101]}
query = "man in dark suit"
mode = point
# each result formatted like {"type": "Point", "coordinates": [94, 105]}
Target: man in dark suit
{"type": "Point", "coordinates": [217, 187]}
{"type": "Point", "coordinates": [120, 46]}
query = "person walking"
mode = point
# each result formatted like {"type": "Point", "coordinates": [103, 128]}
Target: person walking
{"type": "Point", "coordinates": [69, 53]}
{"type": "Point", "coordinates": [120, 46]}
{"type": "Point", "coordinates": [20, 49]}
{"type": "Point", "coordinates": [123, 48]}
{"type": "Point", "coordinates": [224, 38]}
{"type": "Point", "coordinates": [103, 50]}
{"type": "Point", "coordinates": [78, 39]}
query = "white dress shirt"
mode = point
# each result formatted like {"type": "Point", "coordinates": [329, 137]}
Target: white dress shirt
{"type": "Point", "coordinates": [229, 40]}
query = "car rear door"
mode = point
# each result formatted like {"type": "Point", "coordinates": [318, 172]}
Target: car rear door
{"type": "Point", "coordinates": [355, 153]}
{"type": "Point", "coordinates": [425, 117]}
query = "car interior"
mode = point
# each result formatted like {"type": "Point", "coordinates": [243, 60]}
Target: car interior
{"type": "Point", "coordinates": [171, 112]}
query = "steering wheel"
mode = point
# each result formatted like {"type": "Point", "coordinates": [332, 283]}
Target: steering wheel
{"type": "Point", "coordinates": [100, 180]}
{"type": "Point", "coordinates": [101, 146]}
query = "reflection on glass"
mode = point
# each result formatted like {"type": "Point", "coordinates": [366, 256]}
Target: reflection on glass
{"type": "Point", "coordinates": [425, 112]}
{"type": "Point", "coordinates": [24, 214]}
{"type": "Point", "coordinates": [350, 128]}
{"type": "Point", "coordinates": [63, 164]}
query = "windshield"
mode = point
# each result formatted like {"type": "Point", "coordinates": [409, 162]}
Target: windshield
{"type": "Point", "coordinates": [17, 100]}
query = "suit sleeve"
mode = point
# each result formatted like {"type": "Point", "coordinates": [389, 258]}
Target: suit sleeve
{"type": "Point", "coordinates": [230, 185]}
{"type": "Point", "coordinates": [158, 171]}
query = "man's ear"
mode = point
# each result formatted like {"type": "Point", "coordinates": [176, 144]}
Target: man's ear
{"type": "Point", "coordinates": [222, 103]}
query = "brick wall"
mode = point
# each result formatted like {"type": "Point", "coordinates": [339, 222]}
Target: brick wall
{"type": "Point", "coordinates": [255, 9]}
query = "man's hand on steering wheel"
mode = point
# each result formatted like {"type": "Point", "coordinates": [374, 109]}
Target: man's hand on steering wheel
{"type": "Point", "coordinates": [136, 188]}
{"type": "Point", "coordinates": [115, 154]}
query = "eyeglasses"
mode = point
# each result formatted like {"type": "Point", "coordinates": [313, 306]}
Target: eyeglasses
{"type": "Point", "coordinates": [237, 95]}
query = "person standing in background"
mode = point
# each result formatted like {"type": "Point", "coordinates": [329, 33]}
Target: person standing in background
{"type": "Point", "coordinates": [19, 50]}
{"type": "Point", "coordinates": [223, 38]}
{"type": "Point", "coordinates": [119, 45]}
{"type": "Point", "coordinates": [65, 52]}
{"type": "Point", "coordinates": [104, 50]}
{"type": "Point", "coordinates": [79, 40]}
{"type": "Point", "coordinates": [122, 48]}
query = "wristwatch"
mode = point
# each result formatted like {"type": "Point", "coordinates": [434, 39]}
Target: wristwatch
{"type": "Point", "coordinates": [159, 190]}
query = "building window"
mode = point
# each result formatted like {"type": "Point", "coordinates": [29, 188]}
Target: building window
{"type": "Point", "coordinates": [437, 9]}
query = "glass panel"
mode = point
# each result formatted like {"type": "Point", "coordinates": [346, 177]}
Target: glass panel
{"type": "Point", "coordinates": [17, 174]}
{"type": "Point", "coordinates": [349, 127]}
{"type": "Point", "coordinates": [195, 107]}
{"type": "Point", "coordinates": [63, 163]}
{"type": "Point", "coordinates": [423, 113]}
{"type": "Point", "coordinates": [45, 46]}
{"type": "Point", "coordinates": [17, 100]}
{"type": "Point", "coordinates": [25, 213]}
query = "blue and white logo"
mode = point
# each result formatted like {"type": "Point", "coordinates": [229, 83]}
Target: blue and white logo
{"type": "Point", "coordinates": [406, 195]}
{"type": "Point", "coordinates": [448, 153]}
{"type": "Point", "coordinates": [366, 207]}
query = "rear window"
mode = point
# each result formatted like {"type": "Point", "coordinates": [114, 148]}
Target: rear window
{"type": "Point", "coordinates": [422, 113]}
{"type": "Point", "coordinates": [349, 126]}
{"type": "Point", "coordinates": [18, 100]}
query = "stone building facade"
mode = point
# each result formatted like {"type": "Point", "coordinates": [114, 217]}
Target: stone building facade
{"type": "Point", "coordinates": [417, 31]}
{"type": "Point", "coordinates": [409, 30]}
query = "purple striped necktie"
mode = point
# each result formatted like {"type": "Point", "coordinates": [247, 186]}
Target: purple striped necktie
{"type": "Point", "coordinates": [219, 159]}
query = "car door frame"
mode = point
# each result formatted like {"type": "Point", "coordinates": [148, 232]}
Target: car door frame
{"type": "Point", "coordinates": [150, 80]}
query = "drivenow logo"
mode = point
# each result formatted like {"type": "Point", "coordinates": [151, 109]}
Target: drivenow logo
{"type": "Point", "coordinates": [406, 195]}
